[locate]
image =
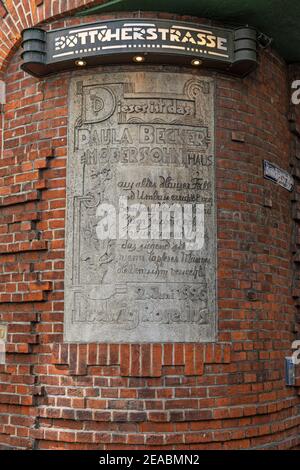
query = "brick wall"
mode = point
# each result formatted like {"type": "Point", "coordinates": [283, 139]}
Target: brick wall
{"type": "Point", "coordinates": [224, 395]}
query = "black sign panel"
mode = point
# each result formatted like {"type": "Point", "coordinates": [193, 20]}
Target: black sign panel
{"type": "Point", "coordinates": [157, 41]}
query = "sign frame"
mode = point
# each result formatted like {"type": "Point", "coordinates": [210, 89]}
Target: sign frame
{"type": "Point", "coordinates": [157, 41]}
{"type": "Point", "coordinates": [280, 176]}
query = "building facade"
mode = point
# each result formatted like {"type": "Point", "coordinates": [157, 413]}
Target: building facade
{"type": "Point", "coordinates": [77, 378]}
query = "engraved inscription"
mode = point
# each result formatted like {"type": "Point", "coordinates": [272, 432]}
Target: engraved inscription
{"type": "Point", "coordinates": [146, 138]}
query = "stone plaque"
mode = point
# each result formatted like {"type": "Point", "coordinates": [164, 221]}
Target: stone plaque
{"type": "Point", "coordinates": [141, 234]}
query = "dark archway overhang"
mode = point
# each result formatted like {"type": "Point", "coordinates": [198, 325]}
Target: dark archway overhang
{"type": "Point", "coordinates": [277, 19]}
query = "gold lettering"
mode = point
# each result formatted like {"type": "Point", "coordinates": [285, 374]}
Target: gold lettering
{"type": "Point", "coordinates": [151, 34]}
{"type": "Point", "coordinates": [221, 44]}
